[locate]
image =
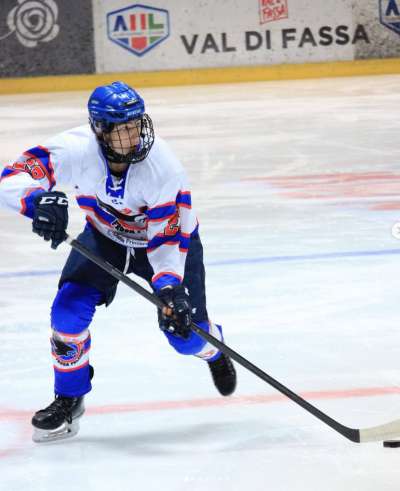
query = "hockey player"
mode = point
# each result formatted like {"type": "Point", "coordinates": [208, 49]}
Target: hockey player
{"type": "Point", "coordinates": [139, 217]}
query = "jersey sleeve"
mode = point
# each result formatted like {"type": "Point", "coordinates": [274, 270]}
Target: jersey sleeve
{"type": "Point", "coordinates": [37, 170]}
{"type": "Point", "coordinates": [171, 222]}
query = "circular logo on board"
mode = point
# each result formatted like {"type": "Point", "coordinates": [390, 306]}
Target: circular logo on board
{"type": "Point", "coordinates": [33, 21]}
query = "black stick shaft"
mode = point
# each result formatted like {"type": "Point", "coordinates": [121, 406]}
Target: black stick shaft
{"type": "Point", "coordinates": [349, 433]}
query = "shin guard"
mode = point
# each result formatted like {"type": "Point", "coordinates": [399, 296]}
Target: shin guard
{"type": "Point", "coordinates": [71, 315]}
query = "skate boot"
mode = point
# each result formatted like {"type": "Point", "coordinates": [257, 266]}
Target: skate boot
{"type": "Point", "coordinates": [224, 374]}
{"type": "Point", "coordinates": [59, 420]}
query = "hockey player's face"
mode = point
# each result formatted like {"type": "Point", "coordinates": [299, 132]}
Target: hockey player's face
{"type": "Point", "coordinates": [124, 137]}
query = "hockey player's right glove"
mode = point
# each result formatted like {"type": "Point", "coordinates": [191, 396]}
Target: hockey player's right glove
{"type": "Point", "coordinates": [176, 317]}
{"type": "Point", "coordinates": [50, 219]}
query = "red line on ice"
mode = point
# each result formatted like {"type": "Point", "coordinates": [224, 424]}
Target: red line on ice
{"type": "Point", "coordinates": [23, 417]}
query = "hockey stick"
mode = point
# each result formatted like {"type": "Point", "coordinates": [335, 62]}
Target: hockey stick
{"type": "Point", "coordinates": [376, 433]}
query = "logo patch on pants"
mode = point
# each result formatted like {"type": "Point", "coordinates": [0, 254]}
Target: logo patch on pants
{"type": "Point", "coordinates": [70, 353]}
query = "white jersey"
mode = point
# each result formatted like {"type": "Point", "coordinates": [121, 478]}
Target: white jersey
{"type": "Point", "coordinates": [148, 206]}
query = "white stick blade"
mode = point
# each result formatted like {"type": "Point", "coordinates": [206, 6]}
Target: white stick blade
{"type": "Point", "coordinates": [387, 431]}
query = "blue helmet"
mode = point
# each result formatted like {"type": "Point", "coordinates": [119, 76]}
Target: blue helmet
{"type": "Point", "coordinates": [115, 104]}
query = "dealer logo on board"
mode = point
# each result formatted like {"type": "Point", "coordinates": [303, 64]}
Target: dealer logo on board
{"type": "Point", "coordinates": [271, 10]}
{"type": "Point", "coordinates": [389, 13]}
{"type": "Point", "coordinates": [138, 28]}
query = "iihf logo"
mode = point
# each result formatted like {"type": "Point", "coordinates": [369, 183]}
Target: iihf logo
{"type": "Point", "coordinates": [138, 28]}
{"type": "Point", "coordinates": [389, 14]}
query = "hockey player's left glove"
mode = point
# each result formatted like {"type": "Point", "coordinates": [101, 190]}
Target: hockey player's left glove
{"type": "Point", "coordinates": [50, 220]}
{"type": "Point", "coordinates": [176, 317]}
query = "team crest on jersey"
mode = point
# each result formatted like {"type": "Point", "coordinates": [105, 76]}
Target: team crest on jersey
{"type": "Point", "coordinates": [131, 224]}
{"type": "Point", "coordinates": [125, 221]}
{"type": "Point", "coordinates": [389, 14]}
{"type": "Point", "coordinates": [138, 28]}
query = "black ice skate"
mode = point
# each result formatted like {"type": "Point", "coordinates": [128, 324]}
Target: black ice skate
{"type": "Point", "coordinates": [59, 420]}
{"type": "Point", "coordinates": [224, 374]}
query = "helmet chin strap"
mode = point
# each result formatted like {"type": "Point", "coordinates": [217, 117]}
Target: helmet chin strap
{"type": "Point", "coordinates": [119, 158]}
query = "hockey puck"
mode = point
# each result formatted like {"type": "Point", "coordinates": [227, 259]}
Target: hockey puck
{"type": "Point", "coordinates": [391, 444]}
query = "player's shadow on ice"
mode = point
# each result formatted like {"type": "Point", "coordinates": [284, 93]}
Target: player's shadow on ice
{"type": "Point", "coordinates": [196, 438]}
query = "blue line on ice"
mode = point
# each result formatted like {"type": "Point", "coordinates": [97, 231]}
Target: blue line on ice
{"type": "Point", "coordinates": [305, 257]}
{"type": "Point", "coordinates": [231, 262]}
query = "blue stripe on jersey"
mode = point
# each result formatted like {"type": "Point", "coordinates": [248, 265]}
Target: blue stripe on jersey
{"type": "Point", "coordinates": [159, 240]}
{"type": "Point", "coordinates": [164, 280]}
{"type": "Point", "coordinates": [184, 199]}
{"type": "Point", "coordinates": [178, 238]}
{"type": "Point", "coordinates": [91, 204]}
{"type": "Point", "coordinates": [41, 153]}
{"type": "Point", "coordinates": [161, 212]}
{"type": "Point", "coordinates": [88, 201]}
{"type": "Point", "coordinates": [6, 172]}
{"type": "Point", "coordinates": [28, 207]}
{"type": "Point", "coordinates": [184, 242]}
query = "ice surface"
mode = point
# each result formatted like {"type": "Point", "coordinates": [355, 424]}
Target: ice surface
{"type": "Point", "coordinates": [297, 187]}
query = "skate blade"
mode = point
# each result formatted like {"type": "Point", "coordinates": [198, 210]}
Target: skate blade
{"type": "Point", "coordinates": [63, 432]}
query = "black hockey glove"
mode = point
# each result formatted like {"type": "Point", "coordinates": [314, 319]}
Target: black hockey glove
{"type": "Point", "coordinates": [177, 317]}
{"type": "Point", "coordinates": [50, 220]}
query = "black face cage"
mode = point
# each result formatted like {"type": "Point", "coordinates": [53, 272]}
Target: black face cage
{"type": "Point", "coordinates": [138, 152]}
